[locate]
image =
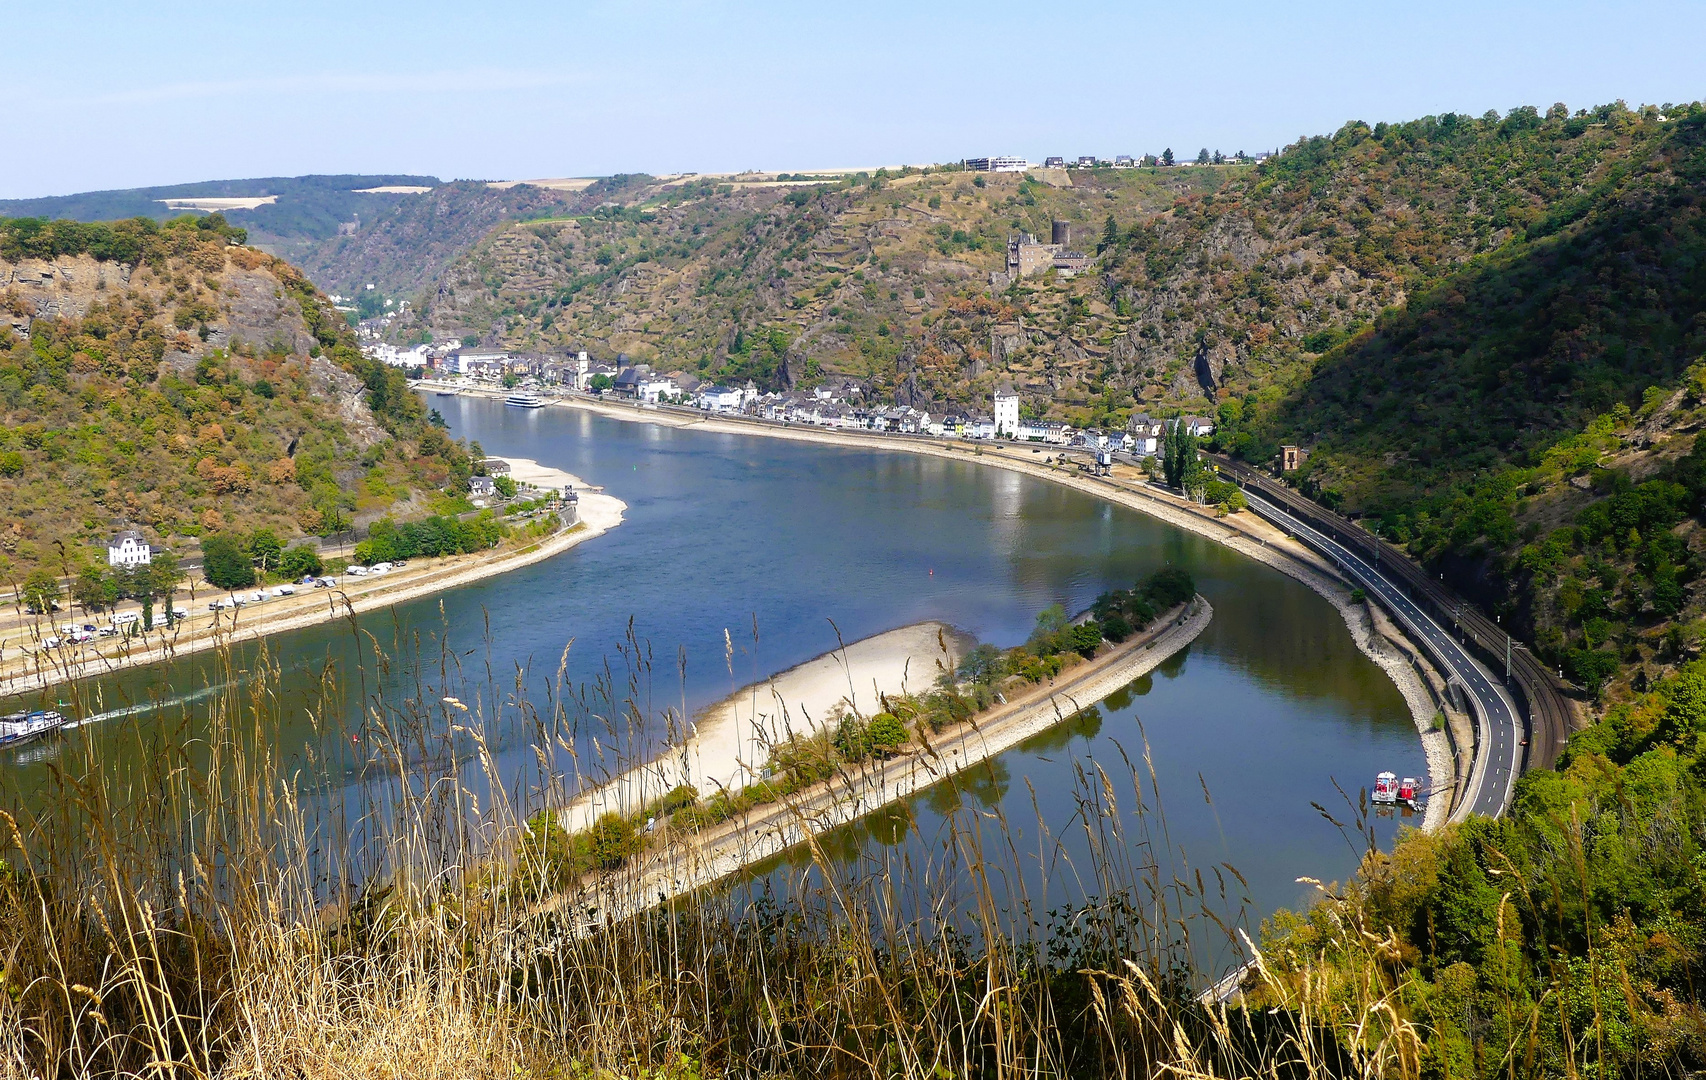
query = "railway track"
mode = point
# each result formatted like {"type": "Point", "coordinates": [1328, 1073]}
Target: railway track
{"type": "Point", "coordinates": [1540, 694]}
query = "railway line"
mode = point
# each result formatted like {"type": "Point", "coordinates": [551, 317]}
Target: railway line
{"type": "Point", "coordinates": [1539, 694]}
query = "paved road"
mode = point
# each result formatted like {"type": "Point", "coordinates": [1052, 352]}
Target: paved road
{"type": "Point", "coordinates": [1499, 729]}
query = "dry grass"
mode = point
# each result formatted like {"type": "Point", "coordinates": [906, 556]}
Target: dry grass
{"type": "Point", "coordinates": [203, 917]}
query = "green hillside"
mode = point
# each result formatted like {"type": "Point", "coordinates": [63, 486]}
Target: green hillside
{"type": "Point", "coordinates": [167, 378]}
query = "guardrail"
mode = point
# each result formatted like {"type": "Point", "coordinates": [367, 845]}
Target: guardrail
{"type": "Point", "coordinates": [1540, 694]}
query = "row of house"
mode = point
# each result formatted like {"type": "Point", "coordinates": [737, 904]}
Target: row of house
{"type": "Point", "coordinates": [843, 403]}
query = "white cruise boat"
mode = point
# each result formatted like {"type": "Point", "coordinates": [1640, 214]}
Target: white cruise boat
{"type": "Point", "coordinates": [19, 728]}
{"type": "Point", "coordinates": [525, 400]}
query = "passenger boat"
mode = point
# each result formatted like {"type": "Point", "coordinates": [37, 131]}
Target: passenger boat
{"type": "Point", "coordinates": [1385, 788]}
{"type": "Point", "coordinates": [450, 392]}
{"type": "Point", "coordinates": [1407, 788]}
{"type": "Point", "coordinates": [525, 400]}
{"type": "Point", "coordinates": [19, 728]}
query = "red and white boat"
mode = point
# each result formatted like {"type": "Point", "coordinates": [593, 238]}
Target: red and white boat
{"type": "Point", "coordinates": [1385, 788]}
{"type": "Point", "coordinates": [1407, 791]}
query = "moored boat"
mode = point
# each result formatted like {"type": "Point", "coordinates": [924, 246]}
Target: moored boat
{"type": "Point", "coordinates": [1385, 788]}
{"type": "Point", "coordinates": [525, 400]}
{"type": "Point", "coordinates": [19, 728]}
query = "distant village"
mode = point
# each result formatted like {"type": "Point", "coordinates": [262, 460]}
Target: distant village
{"type": "Point", "coordinates": [838, 403]}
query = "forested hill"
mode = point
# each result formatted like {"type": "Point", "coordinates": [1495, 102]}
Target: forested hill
{"type": "Point", "coordinates": [165, 377]}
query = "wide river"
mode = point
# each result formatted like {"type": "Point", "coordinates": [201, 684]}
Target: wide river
{"type": "Point", "coordinates": [769, 547]}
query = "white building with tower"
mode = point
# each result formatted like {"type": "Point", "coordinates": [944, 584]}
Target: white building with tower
{"type": "Point", "coordinates": [128, 548]}
{"type": "Point", "coordinates": [1006, 411]}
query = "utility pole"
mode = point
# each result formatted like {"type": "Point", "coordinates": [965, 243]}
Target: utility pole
{"type": "Point", "coordinates": [1507, 658]}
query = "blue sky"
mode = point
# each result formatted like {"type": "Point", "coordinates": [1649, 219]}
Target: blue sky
{"type": "Point", "coordinates": [110, 95]}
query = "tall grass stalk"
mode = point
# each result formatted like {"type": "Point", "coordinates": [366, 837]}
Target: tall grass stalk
{"type": "Point", "coordinates": [375, 904]}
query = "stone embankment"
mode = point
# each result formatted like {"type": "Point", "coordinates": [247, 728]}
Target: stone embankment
{"type": "Point", "coordinates": [1447, 750]}
{"type": "Point", "coordinates": [767, 830]}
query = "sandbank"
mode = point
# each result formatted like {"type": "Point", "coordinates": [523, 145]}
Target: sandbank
{"type": "Point", "coordinates": [729, 745]}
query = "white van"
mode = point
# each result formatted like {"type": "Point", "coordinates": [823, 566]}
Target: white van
{"type": "Point", "coordinates": [356, 571]}
{"type": "Point", "coordinates": [284, 590]}
{"type": "Point", "coordinates": [125, 618]}
{"type": "Point", "coordinates": [379, 568]}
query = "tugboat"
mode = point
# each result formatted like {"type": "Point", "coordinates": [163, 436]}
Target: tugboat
{"type": "Point", "coordinates": [525, 400]}
{"type": "Point", "coordinates": [22, 727]}
{"type": "Point", "coordinates": [1407, 791]}
{"type": "Point", "coordinates": [1386, 788]}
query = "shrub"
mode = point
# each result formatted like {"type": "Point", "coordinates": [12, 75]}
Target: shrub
{"type": "Point", "coordinates": [610, 841]}
{"type": "Point", "coordinates": [886, 733]}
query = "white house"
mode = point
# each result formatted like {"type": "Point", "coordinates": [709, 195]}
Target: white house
{"type": "Point", "coordinates": [128, 548]}
{"type": "Point", "coordinates": [1145, 434]}
{"type": "Point", "coordinates": [720, 399]}
{"type": "Point", "coordinates": [1199, 426]}
{"type": "Point", "coordinates": [652, 386]}
{"type": "Point", "coordinates": [489, 364]}
{"type": "Point", "coordinates": [1006, 411]}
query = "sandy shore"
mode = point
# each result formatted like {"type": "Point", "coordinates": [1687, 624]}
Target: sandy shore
{"type": "Point", "coordinates": [26, 672]}
{"type": "Point", "coordinates": [531, 473]}
{"type": "Point", "coordinates": [731, 742]}
{"type": "Point", "coordinates": [1245, 533]}
{"type": "Point", "coordinates": [772, 828]}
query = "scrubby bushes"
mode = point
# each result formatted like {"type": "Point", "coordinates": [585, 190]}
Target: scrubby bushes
{"type": "Point", "coordinates": [440, 535]}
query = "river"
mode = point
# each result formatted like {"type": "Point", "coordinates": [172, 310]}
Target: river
{"type": "Point", "coordinates": [772, 547]}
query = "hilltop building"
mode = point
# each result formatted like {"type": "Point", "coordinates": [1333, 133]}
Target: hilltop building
{"type": "Point", "coordinates": [1026, 257]}
{"type": "Point", "coordinates": [996, 164]}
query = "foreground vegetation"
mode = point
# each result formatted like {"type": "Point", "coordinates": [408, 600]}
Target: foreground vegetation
{"type": "Point", "coordinates": [247, 929]}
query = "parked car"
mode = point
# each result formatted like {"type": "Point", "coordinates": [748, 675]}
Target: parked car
{"type": "Point", "coordinates": [257, 596]}
{"type": "Point", "coordinates": [379, 568]}
{"type": "Point", "coordinates": [308, 579]}
{"type": "Point", "coordinates": [109, 631]}
{"type": "Point", "coordinates": [53, 641]}
{"type": "Point", "coordinates": [326, 583]}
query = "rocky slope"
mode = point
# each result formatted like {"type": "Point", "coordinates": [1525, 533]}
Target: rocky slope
{"type": "Point", "coordinates": [170, 379]}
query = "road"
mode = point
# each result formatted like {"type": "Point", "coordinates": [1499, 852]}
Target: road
{"type": "Point", "coordinates": [1499, 729]}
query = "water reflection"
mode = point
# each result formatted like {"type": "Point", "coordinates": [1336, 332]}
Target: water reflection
{"type": "Point", "coordinates": [780, 545]}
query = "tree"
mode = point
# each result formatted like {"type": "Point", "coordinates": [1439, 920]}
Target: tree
{"type": "Point", "coordinates": [41, 591]}
{"type": "Point", "coordinates": [301, 561]}
{"type": "Point", "coordinates": [265, 550]}
{"type": "Point", "coordinates": [511, 380]}
{"type": "Point", "coordinates": [1110, 234]}
{"type": "Point", "coordinates": [983, 664]}
{"type": "Point", "coordinates": [1202, 156]}
{"type": "Point", "coordinates": [226, 564]}
{"type": "Point", "coordinates": [1167, 156]}
{"type": "Point", "coordinates": [95, 589]}
{"type": "Point", "coordinates": [159, 578]}
{"type": "Point", "coordinates": [505, 485]}
{"type": "Point", "coordinates": [1180, 464]}
{"type": "Point", "coordinates": [601, 383]}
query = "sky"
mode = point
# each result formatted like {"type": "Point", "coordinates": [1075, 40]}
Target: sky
{"type": "Point", "coordinates": [115, 95]}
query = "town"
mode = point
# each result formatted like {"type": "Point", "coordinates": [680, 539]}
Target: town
{"type": "Point", "coordinates": [838, 403]}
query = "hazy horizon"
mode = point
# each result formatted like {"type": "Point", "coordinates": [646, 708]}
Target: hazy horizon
{"type": "Point", "coordinates": [181, 94]}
